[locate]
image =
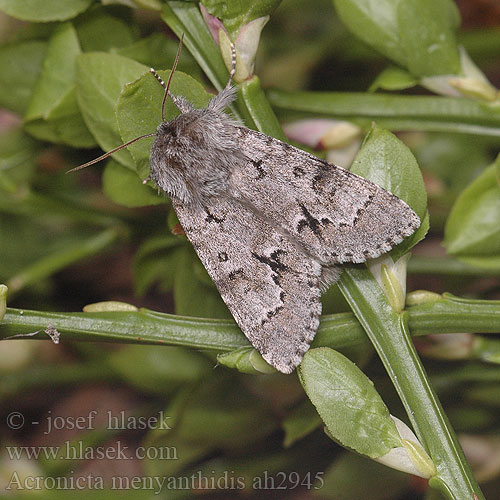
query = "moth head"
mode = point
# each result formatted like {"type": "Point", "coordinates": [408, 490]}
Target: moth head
{"type": "Point", "coordinates": [164, 123]}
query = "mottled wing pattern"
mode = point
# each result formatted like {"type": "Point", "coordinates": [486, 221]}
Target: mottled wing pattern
{"type": "Point", "coordinates": [269, 284]}
{"type": "Point", "coordinates": [337, 215]}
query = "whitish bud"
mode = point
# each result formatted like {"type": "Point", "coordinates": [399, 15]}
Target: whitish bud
{"type": "Point", "coordinates": [411, 457]}
{"type": "Point", "coordinates": [391, 276]}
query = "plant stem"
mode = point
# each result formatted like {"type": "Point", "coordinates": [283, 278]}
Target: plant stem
{"type": "Point", "coordinates": [51, 263]}
{"type": "Point", "coordinates": [396, 112]}
{"type": "Point", "coordinates": [447, 266]}
{"type": "Point", "coordinates": [184, 18]}
{"type": "Point", "coordinates": [337, 331]}
{"type": "Point", "coordinates": [389, 335]}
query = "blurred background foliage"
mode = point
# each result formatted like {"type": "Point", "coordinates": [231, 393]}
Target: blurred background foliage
{"type": "Point", "coordinates": [70, 240]}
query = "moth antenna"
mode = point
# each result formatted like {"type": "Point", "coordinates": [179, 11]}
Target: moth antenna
{"type": "Point", "coordinates": [162, 83]}
{"type": "Point", "coordinates": [109, 153]}
{"type": "Point", "coordinates": [158, 77]}
{"type": "Point", "coordinates": [233, 64]}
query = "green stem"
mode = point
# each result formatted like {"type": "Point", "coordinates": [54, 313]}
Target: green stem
{"type": "Point", "coordinates": [337, 331]}
{"type": "Point", "coordinates": [184, 18]}
{"type": "Point", "coordinates": [33, 204]}
{"type": "Point", "coordinates": [256, 110]}
{"type": "Point", "coordinates": [389, 334]}
{"type": "Point", "coordinates": [447, 266]}
{"type": "Point", "coordinates": [439, 114]}
{"type": "Point", "coordinates": [51, 263]}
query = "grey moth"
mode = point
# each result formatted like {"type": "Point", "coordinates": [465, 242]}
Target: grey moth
{"type": "Point", "coordinates": [269, 222]}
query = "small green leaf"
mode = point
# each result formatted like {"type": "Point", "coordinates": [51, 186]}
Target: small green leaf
{"type": "Point", "coordinates": [399, 250]}
{"type": "Point", "coordinates": [159, 369]}
{"type": "Point", "coordinates": [194, 293]}
{"type": "Point", "coordinates": [393, 78]}
{"type": "Point", "coordinates": [428, 38]}
{"type": "Point", "coordinates": [301, 421]}
{"type": "Point", "coordinates": [100, 80]}
{"type": "Point", "coordinates": [139, 110]}
{"type": "Point", "coordinates": [63, 124]}
{"type": "Point", "coordinates": [222, 414]}
{"type": "Point", "coordinates": [157, 51]}
{"type": "Point", "coordinates": [98, 30]}
{"type": "Point", "coordinates": [375, 23]}
{"type": "Point", "coordinates": [149, 4]}
{"type": "Point", "coordinates": [153, 264]}
{"type": "Point", "coordinates": [416, 34]}
{"type": "Point", "coordinates": [234, 15]}
{"type": "Point", "coordinates": [347, 402]}
{"type": "Point", "coordinates": [17, 159]}
{"type": "Point", "coordinates": [246, 360]}
{"type": "Point", "coordinates": [388, 162]}
{"type": "Point", "coordinates": [352, 476]}
{"type": "Point", "coordinates": [123, 186]}
{"type": "Point", "coordinates": [472, 229]}
{"type": "Point", "coordinates": [42, 11]}
{"type": "Point", "coordinates": [53, 112]}
{"type": "Point", "coordinates": [3, 300]}
{"type": "Point", "coordinates": [20, 66]}
{"type": "Point", "coordinates": [109, 305]}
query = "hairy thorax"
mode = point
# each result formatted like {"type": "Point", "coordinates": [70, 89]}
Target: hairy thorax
{"type": "Point", "coordinates": [194, 154]}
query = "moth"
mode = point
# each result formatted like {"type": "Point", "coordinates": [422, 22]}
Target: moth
{"type": "Point", "coordinates": [269, 222]}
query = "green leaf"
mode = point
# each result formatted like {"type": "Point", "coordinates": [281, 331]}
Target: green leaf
{"type": "Point", "coordinates": [194, 293]}
{"type": "Point", "coordinates": [149, 4]}
{"type": "Point", "coordinates": [301, 421]}
{"type": "Point", "coordinates": [153, 265]}
{"type": "Point", "coordinates": [157, 51]}
{"type": "Point", "coordinates": [236, 14]}
{"type": "Point", "coordinates": [20, 66]}
{"type": "Point", "coordinates": [256, 110]}
{"type": "Point", "coordinates": [139, 110]}
{"type": "Point", "coordinates": [159, 369]}
{"type": "Point", "coordinates": [388, 162]}
{"type": "Point", "coordinates": [58, 73]}
{"type": "Point", "coordinates": [472, 229]}
{"type": "Point", "coordinates": [17, 160]}
{"type": "Point", "coordinates": [389, 334]}
{"type": "Point", "coordinates": [374, 22]}
{"type": "Point", "coordinates": [63, 124]}
{"type": "Point", "coordinates": [415, 34]}
{"type": "Point", "coordinates": [124, 187]}
{"type": "Point", "coordinates": [347, 402]}
{"type": "Point", "coordinates": [42, 11]}
{"type": "Point", "coordinates": [226, 416]}
{"type": "Point", "coordinates": [353, 476]}
{"type": "Point", "coordinates": [53, 112]}
{"type": "Point", "coordinates": [246, 360]}
{"type": "Point", "coordinates": [426, 29]}
{"type": "Point", "coordinates": [100, 80]}
{"type": "Point", "coordinates": [399, 250]}
{"type": "Point", "coordinates": [393, 78]}
{"type": "Point", "coordinates": [98, 30]}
